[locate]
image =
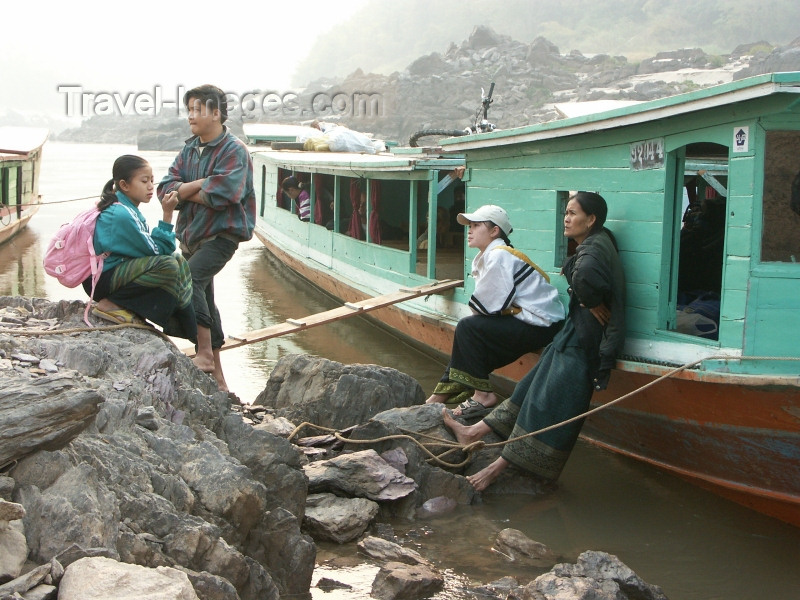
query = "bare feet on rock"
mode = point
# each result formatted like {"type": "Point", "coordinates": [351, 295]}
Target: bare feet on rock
{"type": "Point", "coordinates": [486, 476]}
{"type": "Point", "coordinates": [219, 376]}
{"type": "Point", "coordinates": [465, 434]}
{"type": "Point", "coordinates": [204, 363]}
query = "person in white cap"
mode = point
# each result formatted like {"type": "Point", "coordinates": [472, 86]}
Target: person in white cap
{"type": "Point", "coordinates": [574, 365]}
{"type": "Point", "coordinates": [516, 311]}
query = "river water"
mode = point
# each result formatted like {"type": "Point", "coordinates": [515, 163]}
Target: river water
{"type": "Point", "coordinates": [691, 543]}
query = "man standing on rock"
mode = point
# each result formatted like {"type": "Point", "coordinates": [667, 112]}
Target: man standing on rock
{"type": "Point", "coordinates": [213, 180]}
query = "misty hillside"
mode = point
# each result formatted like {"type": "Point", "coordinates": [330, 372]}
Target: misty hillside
{"type": "Point", "coordinates": [386, 36]}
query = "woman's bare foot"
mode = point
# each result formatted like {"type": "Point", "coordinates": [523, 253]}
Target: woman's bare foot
{"type": "Point", "coordinates": [465, 434]}
{"type": "Point", "coordinates": [484, 478]}
{"type": "Point", "coordinates": [437, 399]}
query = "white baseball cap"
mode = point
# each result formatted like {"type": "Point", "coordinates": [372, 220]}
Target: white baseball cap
{"type": "Point", "coordinates": [488, 212]}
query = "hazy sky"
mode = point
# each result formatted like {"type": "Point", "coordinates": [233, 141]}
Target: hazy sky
{"type": "Point", "coordinates": [135, 47]}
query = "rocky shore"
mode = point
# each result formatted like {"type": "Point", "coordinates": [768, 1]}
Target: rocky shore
{"type": "Point", "coordinates": [125, 473]}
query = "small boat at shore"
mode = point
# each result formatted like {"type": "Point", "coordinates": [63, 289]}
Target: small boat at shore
{"type": "Point", "coordinates": [20, 163]}
{"type": "Point", "coordinates": [704, 200]}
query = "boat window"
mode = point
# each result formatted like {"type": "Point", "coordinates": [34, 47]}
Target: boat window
{"type": "Point", "coordinates": [564, 246]}
{"type": "Point", "coordinates": [703, 196]}
{"type": "Point", "coordinates": [3, 190]}
{"type": "Point", "coordinates": [263, 189]}
{"type": "Point", "coordinates": [780, 239]}
{"type": "Point", "coordinates": [11, 182]}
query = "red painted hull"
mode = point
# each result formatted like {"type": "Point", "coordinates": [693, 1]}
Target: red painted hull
{"type": "Point", "coordinates": [741, 441]}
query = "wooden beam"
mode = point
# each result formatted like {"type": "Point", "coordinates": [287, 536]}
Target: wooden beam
{"type": "Point", "coordinates": [349, 309]}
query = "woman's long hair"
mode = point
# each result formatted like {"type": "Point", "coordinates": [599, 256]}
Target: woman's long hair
{"type": "Point", "coordinates": [123, 170]}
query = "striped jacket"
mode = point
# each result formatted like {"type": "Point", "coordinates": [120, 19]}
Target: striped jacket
{"type": "Point", "coordinates": [229, 200]}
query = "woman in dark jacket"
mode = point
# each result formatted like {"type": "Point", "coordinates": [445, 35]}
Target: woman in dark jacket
{"type": "Point", "coordinates": [577, 362]}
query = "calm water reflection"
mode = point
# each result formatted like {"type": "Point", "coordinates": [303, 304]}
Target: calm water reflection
{"type": "Point", "coordinates": [691, 543]}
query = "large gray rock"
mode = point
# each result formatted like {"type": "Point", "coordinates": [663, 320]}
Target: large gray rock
{"type": "Point", "coordinates": [596, 576]}
{"type": "Point", "coordinates": [13, 550]}
{"type": "Point", "coordinates": [103, 578]}
{"type": "Point", "coordinates": [385, 551]}
{"type": "Point", "coordinates": [310, 389]}
{"type": "Point", "coordinates": [78, 508]}
{"type": "Point", "coordinates": [164, 474]}
{"type": "Point", "coordinates": [331, 518]}
{"type": "Point", "coordinates": [43, 413]}
{"type": "Point", "coordinates": [399, 581]}
{"type": "Point", "coordinates": [361, 474]}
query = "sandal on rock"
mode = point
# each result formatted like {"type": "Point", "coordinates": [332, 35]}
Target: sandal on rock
{"type": "Point", "coordinates": [119, 316]}
{"type": "Point", "coordinates": [471, 408]}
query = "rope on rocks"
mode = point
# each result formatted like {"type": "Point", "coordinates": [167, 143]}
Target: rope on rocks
{"type": "Point", "coordinates": [35, 332]}
{"type": "Point", "coordinates": [473, 447]}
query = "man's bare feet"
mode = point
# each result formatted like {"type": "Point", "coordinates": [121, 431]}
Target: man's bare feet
{"type": "Point", "coordinates": [484, 478]}
{"type": "Point", "coordinates": [219, 377]}
{"type": "Point", "coordinates": [465, 434]}
{"type": "Point", "coordinates": [437, 399]}
{"type": "Point", "coordinates": [204, 359]}
{"type": "Point", "coordinates": [204, 363]}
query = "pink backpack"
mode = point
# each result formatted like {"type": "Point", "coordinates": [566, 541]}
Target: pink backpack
{"type": "Point", "coordinates": [70, 255]}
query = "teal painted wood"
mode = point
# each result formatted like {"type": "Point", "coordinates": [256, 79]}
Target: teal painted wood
{"type": "Point", "coordinates": [739, 241]}
{"type": "Point", "coordinates": [733, 309]}
{"type": "Point", "coordinates": [740, 211]}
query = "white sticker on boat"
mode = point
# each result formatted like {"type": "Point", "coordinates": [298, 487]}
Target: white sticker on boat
{"type": "Point", "coordinates": [741, 139]}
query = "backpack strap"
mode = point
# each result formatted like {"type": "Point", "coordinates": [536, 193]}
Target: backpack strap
{"type": "Point", "coordinates": [96, 262]}
{"type": "Point", "coordinates": [523, 257]}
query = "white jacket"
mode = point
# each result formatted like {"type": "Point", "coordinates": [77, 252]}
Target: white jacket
{"type": "Point", "coordinates": [508, 284]}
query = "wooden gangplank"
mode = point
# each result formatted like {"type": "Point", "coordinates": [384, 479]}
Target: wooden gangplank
{"type": "Point", "coordinates": [349, 309]}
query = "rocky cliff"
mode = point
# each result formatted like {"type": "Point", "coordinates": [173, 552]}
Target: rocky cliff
{"type": "Point", "coordinates": [443, 90]}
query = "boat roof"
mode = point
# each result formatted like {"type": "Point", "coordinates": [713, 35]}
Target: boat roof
{"type": "Point", "coordinates": [711, 97]}
{"type": "Point", "coordinates": [568, 110]}
{"type": "Point", "coordinates": [17, 143]}
{"type": "Point", "coordinates": [276, 132]}
{"type": "Point", "coordinates": [400, 160]}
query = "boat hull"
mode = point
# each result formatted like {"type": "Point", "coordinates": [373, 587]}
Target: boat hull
{"type": "Point", "coordinates": [8, 231]}
{"type": "Point", "coordinates": [739, 440]}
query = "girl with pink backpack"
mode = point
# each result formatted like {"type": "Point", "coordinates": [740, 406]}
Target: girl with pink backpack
{"type": "Point", "coordinates": [143, 277]}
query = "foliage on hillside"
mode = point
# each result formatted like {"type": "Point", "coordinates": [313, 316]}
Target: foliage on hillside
{"type": "Point", "coordinates": [386, 36]}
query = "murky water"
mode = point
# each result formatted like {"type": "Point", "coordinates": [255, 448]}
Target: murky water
{"type": "Point", "coordinates": [693, 544]}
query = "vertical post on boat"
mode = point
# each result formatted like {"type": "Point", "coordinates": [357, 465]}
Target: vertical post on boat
{"type": "Point", "coordinates": [337, 219]}
{"type": "Point", "coordinates": [367, 235]}
{"type": "Point", "coordinates": [413, 227]}
{"type": "Point", "coordinates": [313, 193]}
{"type": "Point", "coordinates": [433, 199]}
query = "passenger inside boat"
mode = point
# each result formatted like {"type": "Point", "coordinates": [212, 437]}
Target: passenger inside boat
{"type": "Point", "coordinates": [702, 242]}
